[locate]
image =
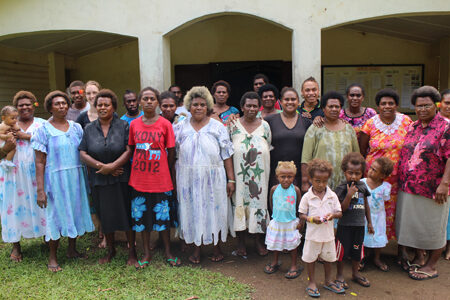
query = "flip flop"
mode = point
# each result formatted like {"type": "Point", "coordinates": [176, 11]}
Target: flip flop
{"type": "Point", "coordinates": [339, 289]}
{"type": "Point", "coordinates": [142, 265]}
{"type": "Point", "coordinates": [417, 271]}
{"type": "Point", "coordinates": [384, 268]}
{"type": "Point", "coordinates": [296, 273]}
{"type": "Point", "coordinates": [170, 260]}
{"type": "Point", "coordinates": [16, 258]}
{"type": "Point", "coordinates": [342, 283]}
{"type": "Point", "coordinates": [237, 253]}
{"type": "Point", "coordinates": [313, 292]}
{"type": "Point", "coordinates": [273, 268]}
{"type": "Point", "coordinates": [362, 281]}
{"type": "Point", "coordinates": [54, 269]}
{"type": "Point", "coordinates": [215, 258]}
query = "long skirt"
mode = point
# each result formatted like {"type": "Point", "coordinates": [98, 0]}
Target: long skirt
{"type": "Point", "coordinates": [421, 223]}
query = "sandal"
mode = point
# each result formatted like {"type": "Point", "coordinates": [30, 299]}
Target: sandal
{"type": "Point", "coordinates": [239, 253]}
{"type": "Point", "coordinates": [334, 287]}
{"type": "Point", "coordinates": [173, 262]}
{"type": "Point", "coordinates": [295, 273]}
{"type": "Point", "coordinates": [16, 258]}
{"type": "Point", "coordinates": [313, 292]}
{"type": "Point", "coordinates": [142, 265]}
{"type": "Point", "coordinates": [417, 271]}
{"type": "Point", "coordinates": [342, 283]}
{"type": "Point", "coordinates": [270, 269]}
{"type": "Point", "coordinates": [362, 281]}
{"type": "Point", "coordinates": [404, 264]}
{"type": "Point", "coordinates": [217, 258]}
{"type": "Point", "coordinates": [383, 267]}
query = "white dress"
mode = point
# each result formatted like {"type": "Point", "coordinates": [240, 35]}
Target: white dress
{"type": "Point", "coordinates": [20, 214]}
{"type": "Point", "coordinates": [204, 208]}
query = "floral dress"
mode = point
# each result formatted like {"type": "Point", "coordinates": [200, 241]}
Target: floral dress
{"type": "Point", "coordinates": [67, 211]}
{"type": "Point", "coordinates": [20, 214]}
{"type": "Point", "coordinates": [387, 140]}
{"type": "Point", "coordinates": [358, 122]}
{"type": "Point", "coordinates": [252, 169]}
{"type": "Point", "coordinates": [376, 201]}
{"type": "Point", "coordinates": [204, 208]}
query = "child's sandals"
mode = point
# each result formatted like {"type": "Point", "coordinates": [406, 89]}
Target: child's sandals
{"type": "Point", "coordinates": [270, 269]}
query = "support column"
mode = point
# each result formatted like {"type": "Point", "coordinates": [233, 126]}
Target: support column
{"type": "Point", "coordinates": [56, 71]}
{"type": "Point", "coordinates": [306, 53]}
{"type": "Point", "coordinates": [151, 65]}
{"type": "Point", "coordinates": [444, 63]}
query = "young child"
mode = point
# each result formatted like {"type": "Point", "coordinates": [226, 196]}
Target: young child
{"type": "Point", "coordinates": [282, 233]}
{"type": "Point", "coordinates": [318, 207]}
{"type": "Point", "coordinates": [7, 127]}
{"type": "Point", "coordinates": [351, 227]}
{"type": "Point", "coordinates": [380, 191]}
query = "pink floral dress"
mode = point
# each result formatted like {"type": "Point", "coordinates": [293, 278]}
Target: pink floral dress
{"type": "Point", "coordinates": [387, 140]}
{"type": "Point", "coordinates": [358, 122]}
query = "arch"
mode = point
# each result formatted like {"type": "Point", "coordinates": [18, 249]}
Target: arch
{"type": "Point", "coordinates": [184, 24]}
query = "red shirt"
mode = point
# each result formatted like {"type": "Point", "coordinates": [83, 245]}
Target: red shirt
{"type": "Point", "coordinates": [150, 169]}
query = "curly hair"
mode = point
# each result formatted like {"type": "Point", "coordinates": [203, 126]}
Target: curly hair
{"type": "Point", "coordinates": [269, 87]}
{"type": "Point", "coordinates": [354, 158]}
{"type": "Point", "coordinates": [221, 83]}
{"type": "Point", "coordinates": [23, 95]}
{"type": "Point", "coordinates": [52, 95]}
{"type": "Point", "coordinates": [286, 165]}
{"type": "Point", "coordinates": [319, 165]}
{"type": "Point", "coordinates": [426, 91]}
{"type": "Point", "coordinates": [386, 165]}
{"type": "Point", "coordinates": [386, 93]}
{"type": "Point", "coordinates": [198, 92]}
{"type": "Point", "coordinates": [250, 95]}
{"type": "Point", "coordinates": [331, 95]}
{"type": "Point", "coordinates": [106, 93]}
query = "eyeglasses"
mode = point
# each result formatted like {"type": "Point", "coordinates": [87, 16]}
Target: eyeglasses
{"type": "Point", "coordinates": [424, 107]}
{"type": "Point", "coordinates": [355, 95]}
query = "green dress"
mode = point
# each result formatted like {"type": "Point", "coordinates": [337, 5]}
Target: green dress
{"type": "Point", "coordinates": [331, 146]}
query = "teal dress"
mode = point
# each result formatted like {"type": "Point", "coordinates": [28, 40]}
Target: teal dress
{"type": "Point", "coordinates": [67, 211]}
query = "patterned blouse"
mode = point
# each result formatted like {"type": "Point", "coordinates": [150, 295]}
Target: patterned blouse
{"type": "Point", "coordinates": [358, 122]}
{"type": "Point", "coordinates": [423, 157]}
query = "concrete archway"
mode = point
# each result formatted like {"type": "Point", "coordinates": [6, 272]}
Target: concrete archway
{"type": "Point", "coordinates": [229, 46]}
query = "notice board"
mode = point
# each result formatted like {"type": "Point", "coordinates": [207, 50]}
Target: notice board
{"type": "Point", "coordinates": [402, 78]}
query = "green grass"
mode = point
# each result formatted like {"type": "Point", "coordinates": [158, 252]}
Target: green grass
{"type": "Point", "coordinates": [81, 279]}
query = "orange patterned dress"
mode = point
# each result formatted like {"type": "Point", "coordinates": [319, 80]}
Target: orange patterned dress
{"type": "Point", "coordinates": [387, 140]}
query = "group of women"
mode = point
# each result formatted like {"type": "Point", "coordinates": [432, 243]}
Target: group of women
{"type": "Point", "coordinates": [162, 171]}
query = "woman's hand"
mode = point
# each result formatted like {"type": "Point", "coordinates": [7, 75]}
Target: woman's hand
{"type": "Point", "coordinates": [370, 229]}
{"type": "Point", "coordinates": [232, 119]}
{"type": "Point", "coordinates": [319, 121]}
{"type": "Point", "coordinates": [105, 169]}
{"type": "Point", "coordinates": [117, 172]}
{"type": "Point", "coordinates": [22, 136]}
{"type": "Point", "coordinates": [9, 145]}
{"type": "Point", "coordinates": [231, 187]}
{"type": "Point", "coordinates": [42, 199]}
{"type": "Point", "coordinates": [441, 193]}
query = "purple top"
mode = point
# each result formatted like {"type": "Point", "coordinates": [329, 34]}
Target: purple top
{"type": "Point", "coordinates": [423, 157]}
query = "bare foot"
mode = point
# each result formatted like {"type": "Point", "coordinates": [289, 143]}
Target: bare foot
{"type": "Point", "coordinates": [194, 259]}
{"type": "Point", "coordinates": [107, 258]}
{"type": "Point", "coordinates": [16, 256]}
{"type": "Point", "coordinates": [102, 244]}
{"type": "Point", "coordinates": [447, 253]}
{"type": "Point", "coordinates": [132, 259]}
{"type": "Point", "coordinates": [54, 268]}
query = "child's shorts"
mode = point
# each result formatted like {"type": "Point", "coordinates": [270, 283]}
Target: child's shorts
{"type": "Point", "coordinates": [325, 250]}
{"type": "Point", "coordinates": [349, 242]}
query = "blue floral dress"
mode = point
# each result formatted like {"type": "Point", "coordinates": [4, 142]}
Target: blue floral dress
{"type": "Point", "coordinates": [376, 201]}
{"type": "Point", "coordinates": [65, 182]}
{"type": "Point", "coordinates": [204, 208]}
{"type": "Point", "coordinates": [20, 214]}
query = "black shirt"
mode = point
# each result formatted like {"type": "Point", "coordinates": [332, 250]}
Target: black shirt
{"type": "Point", "coordinates": [83, 119]}
{"type": "Point", "coordinates": [106, 150]}
{"type": "Point", "coordinates": [356, 213]}
{"type": "Point", "coordinates": [287, 143]}
{"type": "Point", "coordinates": [317, 111]}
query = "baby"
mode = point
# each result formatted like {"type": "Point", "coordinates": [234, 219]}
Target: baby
{"type": "Point", "coordinates": [8, 127]}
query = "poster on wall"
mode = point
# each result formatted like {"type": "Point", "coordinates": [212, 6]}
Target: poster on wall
{"type": "Point", "coordinates": [402, 78]}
